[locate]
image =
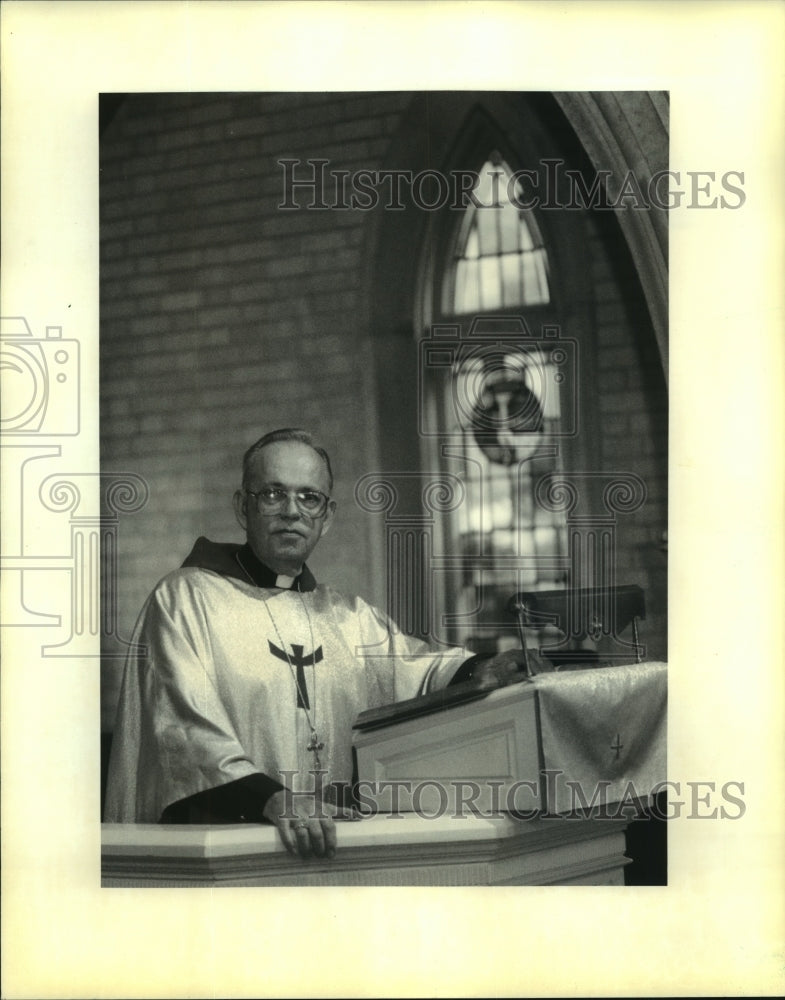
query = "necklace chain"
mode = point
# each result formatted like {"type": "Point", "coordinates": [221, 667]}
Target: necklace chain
{"type": "Point", "coordinates": [314, 744]}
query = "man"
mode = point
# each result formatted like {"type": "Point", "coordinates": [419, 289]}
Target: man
{"type": "Point", "coordinates": [251, 675]}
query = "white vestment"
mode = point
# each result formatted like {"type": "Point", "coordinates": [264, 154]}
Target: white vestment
{"type": "Point", "coordinates": [212, 697]}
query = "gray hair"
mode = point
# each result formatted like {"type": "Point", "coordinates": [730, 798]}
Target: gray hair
{"type": "Point", "coordinates": [285, 434]}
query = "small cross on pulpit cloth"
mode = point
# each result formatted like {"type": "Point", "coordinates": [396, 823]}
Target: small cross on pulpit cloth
{"type": "Point", "coordinates": [617, 745]}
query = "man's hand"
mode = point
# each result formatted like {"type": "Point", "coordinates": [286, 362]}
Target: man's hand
{"type": "Point", "coordinates": [307, 828]}
{"type": "Point", "coordinates": [505, 668]}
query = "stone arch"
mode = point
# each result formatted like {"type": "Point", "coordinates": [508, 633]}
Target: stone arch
{"type": "Point", "coordinates": [624, 132]}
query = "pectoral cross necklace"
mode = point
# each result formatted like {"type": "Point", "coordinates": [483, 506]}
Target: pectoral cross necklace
{"type": "Point", "coordinates": [314, 744]}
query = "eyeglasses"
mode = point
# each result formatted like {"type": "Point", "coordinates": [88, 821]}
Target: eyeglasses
{"type": "Point", "coordinates": [273, 499]}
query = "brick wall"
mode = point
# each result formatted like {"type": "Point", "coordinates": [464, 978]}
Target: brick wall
{"type": "Point", "coordinates": [633, 413]}
{"type": "Point", "coordinates": [223, 316]}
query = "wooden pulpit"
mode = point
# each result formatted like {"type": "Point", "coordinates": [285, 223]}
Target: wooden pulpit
{"type": "Point", "coordinates": [556, 743]}
{"type": "Point", "coordinates": [531, 784]}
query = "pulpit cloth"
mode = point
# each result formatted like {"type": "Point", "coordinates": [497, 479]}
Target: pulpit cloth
{"type": "Point", "coordinates": [604, 729]}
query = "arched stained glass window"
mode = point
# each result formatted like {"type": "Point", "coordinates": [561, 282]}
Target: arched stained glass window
{"type": "Point", "coordinates": [497, 404]}
{"type": "Point", "coordinates": [501, 426]}
{"type": "Point", "coordinates": [500, 261]}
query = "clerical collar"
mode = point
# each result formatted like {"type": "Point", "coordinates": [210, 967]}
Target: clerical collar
{"type": "Point", "coordinates": [263, 576]}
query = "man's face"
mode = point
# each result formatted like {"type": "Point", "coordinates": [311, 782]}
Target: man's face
{"type": "Point", "coordinates": [285, 539]}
